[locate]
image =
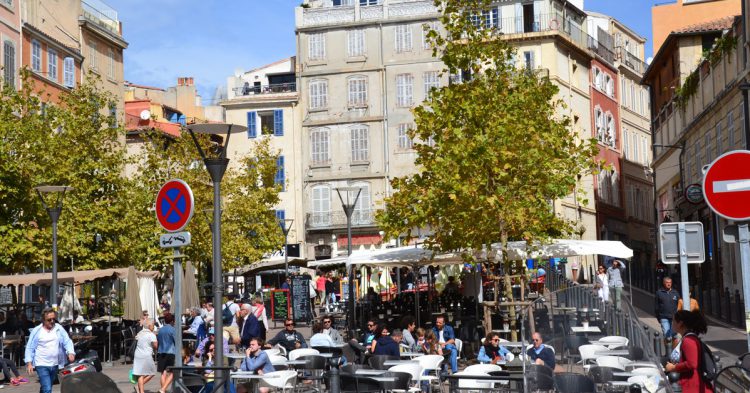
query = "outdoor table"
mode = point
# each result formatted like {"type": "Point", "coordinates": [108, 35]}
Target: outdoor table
{"type": "Point", "coordinates": [613, 352]}
{"type": "Point", "coordinates": [581, 329]}
{"type": "Point", "coordinates": [382, 378]}
{"type": "Point", "coordinates": [235, 355]}
{"type": "Point", "coordinates": [622, 374]}
{"type": "Point", "coordinates": [251, 376]}
{"type": "Point", "coordinates": [515, 377]}
{"type": "Point", "coordinates": [300, 362]}
{"type": "Point", "coordinates": [369, 372]}
{"type": "Point", "coordinates": [637, 364]}
{"type": "Point", "coordinates": [81, 338]}
{"type": "Point", "coordinates": [411, 354]}
{"type": "Point", "coordinates": [397, 362]}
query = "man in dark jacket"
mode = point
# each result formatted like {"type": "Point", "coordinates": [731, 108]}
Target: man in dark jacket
{"type": "Point", "coordinates": [288, 338]}
{"type": "Point", "coordinates": [250, 327]}
{"type": "Point", "coordinates": [665, 307]}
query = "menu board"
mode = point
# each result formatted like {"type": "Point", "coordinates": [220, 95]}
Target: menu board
{"type": "Point", "coordinates": [279, 304]}
{"type": "Point", "coordinates": [301, 298]}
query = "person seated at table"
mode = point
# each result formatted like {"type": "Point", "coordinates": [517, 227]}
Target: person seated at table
{"type": "Point", "coordinates": [209, 340]}
{"type": "Point", "coordinates": [428, 343]}
{"type": "Point", "coordinates": [384, 343]}
{"type": "Point", "coordinates": [196, 323]}
{"type": "Point", "coordinates": [256, 361]}
{"type": "Point", "coordinates": [398, 337]}
{"type": "Point", "coordinates": [370, 333]}
{"type": "Point", "coordinates": [447, 340]}
{"type": "Point", "coordinates": [492, 352]}
{"type": "Point", "coordinates": [319, 338]}
{"type": "Point", "coordinates": [9, 370]}
{"type": "Point", "coordinates": [409, 325]}
{"type": "Point", "coordinates": [288, 338]}
{"type": "Point", "coordinates": [540, 353]}
{"type": "Point", "coordinates": [331, 331]}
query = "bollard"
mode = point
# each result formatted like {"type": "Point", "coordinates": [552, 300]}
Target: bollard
{"type": "Point", "coordinates": [634, 388]}
{"type": "Point", "coordinates": [658, 345]}
{"type": "Point", "coordinates": [334, 380]}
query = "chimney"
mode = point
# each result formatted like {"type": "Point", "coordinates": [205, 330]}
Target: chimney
{"type": "Point", "coordinates": [185, 81]}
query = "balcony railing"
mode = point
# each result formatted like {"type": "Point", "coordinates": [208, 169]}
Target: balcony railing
{"type": "Point", "coordinates": [541, 23]}
{"type": "Point", "coordinates": [632, 61]}
{"type": "Point", "coordinates": [338, 219]}
{"type": "Point", "coordinates": [248, 90]}
{"type": "Point", "coordinates": [101, 14]}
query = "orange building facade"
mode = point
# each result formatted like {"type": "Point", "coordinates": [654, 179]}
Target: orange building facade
{"type": "Point", "coordinates": [54, 67]}
{"type": "Point", "coordinates": [683, 13]}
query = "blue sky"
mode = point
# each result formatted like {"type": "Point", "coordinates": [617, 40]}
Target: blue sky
{"type": "Point", "coordinates": [209, 40]}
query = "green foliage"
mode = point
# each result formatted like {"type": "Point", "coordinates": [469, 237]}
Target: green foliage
{"type": "Point", "coordinates": [502, 149]}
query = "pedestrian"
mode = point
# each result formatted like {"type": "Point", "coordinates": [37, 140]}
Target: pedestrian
{"type": "Point", "coordinates": [614, 275]}
{"type": "Point", "coordinates": [690, 324]}
{"type": "Point", "coordinates": [540, 353]}
{"type": "Point", "coordinates": [693, 303]}
{"type": "Point", "coordinates": [666, 300]}
{"type": "Point", "coordinates": [250, 326]}
{"type": "Point", "coordinates": [259, 310]}
{"type": "Point", "coordinates": [230, 311]}
{"type": "Point", "coordinates": [46, 348]}
{"type": "Point", "coordinates": [143, 360]}
{"type": "Point", "coordinates": [287, 284]}
{"type": "Point", "coordinates": [330, 289]}
{"type": "Point", "coordinates": [165, 353]}
{"type": "Point", "coordinates": [602, 284]}
{"type": "Point", "coordinates": [313, 294]}
{"type": "Point", "coordinates": [320, 286]}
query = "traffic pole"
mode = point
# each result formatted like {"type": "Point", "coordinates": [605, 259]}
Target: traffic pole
{"type": "Point", "coordinates": [744, 235]}
{"type": "Point", "coordinates": [684, 282]}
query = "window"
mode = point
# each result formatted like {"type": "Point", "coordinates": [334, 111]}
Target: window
{"type": "Point", "coordinates": [69, 72]}
{"type": "Point", "coordinates": [697, 157]}
{"type": "Point", "coordinates": [610, 86]}
{"type": "Point", "coordinates": [491, 18]}
{"type": "Point", "coordinates": [9, 63]}
{"type": "Point", "coordinates": [278, 122]}
{"type": "Point", "coordinates": [611, 136]}
{"type": "Point", "coordinates": [719, 141]}
{"type": "Point", "coordinates": [626, 144]}
{"type": "Point", "coordinates": [279, 178]}
{"type": "Point", "coordinates": [280, 216]}
{"type": "Point", "coordinates": [426, 30]}
{"type": "Point", "coordinates": [603, 180]}
{"type": "Point", "coordinates": [319, 94]}
{"type": "Point", "coordinates": [362, 211]}
{"type": "Point", "coordinates": [52, 64]}
{"type": "Point", "coordinates": [338, 3]}
{"type": "Point", "coordinates": [111, 65]}
{"type": "Point", "coordinates": [431, 81]}
{"type": "Point", "coordinates": [92, 55]}
{"type": "Point", "coordinates": [360, 136]}
{"type": "Point", "coordinates": [36, 56]}
{"type": "Point", "coordinates": [404, 141]}
{"type": "Point", "coordinates": [403, 38]}
{"type": "Point", "coordinates": [597, 78]}
{"type": "Point", "coordinates": [615, 189]}
{"type": "Point", "coordinates": [636, 149]}
{"type": "Point", "coordinates": [321, 206]}
{"type": "Point", "coordinates": [646, 151]}
{"type": "Point", "coordinates": [730, 130]}
{"type": "Point", "coordinates": [357, 91]}
{"type": "Point", "coordinates": [356, 42]}
{"type": "Point", "coordinates": [317, 42]}
{"type": "Point", "coordinates": [266, 123]}
{"type": "Point", "coordinates": [708, 148]}
{"type": "Point", "coordinates": [599, 124]}
{"type": "Point", "coordinates": [320, 146]}
{"type": "Point", "coordinates": [404, 90]}
{"type": "Point", "coordinates": [528, 59]}
{"type": "Point", "coordinates": [252, 123]}
{"type": "Point", "coordinates": [368, 2]}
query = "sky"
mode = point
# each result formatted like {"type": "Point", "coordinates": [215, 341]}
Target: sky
{"type": "Point", "coordinates": [210, 40]}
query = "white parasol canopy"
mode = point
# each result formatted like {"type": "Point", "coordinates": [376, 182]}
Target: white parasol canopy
{"type": "Point", "coordinates": [562, 248]}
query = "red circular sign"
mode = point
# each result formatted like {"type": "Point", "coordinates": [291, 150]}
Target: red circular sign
{"type": "Point", "coordinates": [726, 185]}
{"type": "Point", "coordinates": [174, 205]}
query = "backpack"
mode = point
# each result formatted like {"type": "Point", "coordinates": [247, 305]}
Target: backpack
{"type": "Point", "coordinates": [707, 366]}
{"type": "Point", "coordinates": [226, 315]}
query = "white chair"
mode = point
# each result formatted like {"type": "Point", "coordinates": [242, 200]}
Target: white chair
{"type": "Point", "coordinates": [430, 366]}
{"type": "Point", "coordinates": [277, 360]}
{"type": "Point", "coordinates": [459, 346]}
{"type": "Point", "coordinates": [297, 353]}
{"type": "Point", "coordinates": [472, 383]}
{"type": "Point", "coordinates": [280, 380]}
{"type": "Point", "coordinates": [613, 342]}
{"type": "Point", "coordinates": [639, 379]}
{"type": "Point", "coordinates": [415, 369]}
{"type": "Point", "coordinates": [648, 371]}
{"type": "Point", "coordinates": [617, 362]}
{"type": "Point", "coordinates": [272, 351]}
{"type": "Point", "coordinates": [483, 368]}
{"type": "Point", "coordinates": [281, 349]}
{"type": "Point", "coordinates": [588, 354]}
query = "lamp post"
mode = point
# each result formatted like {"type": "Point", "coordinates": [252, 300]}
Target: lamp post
{"type": "Point", "coordinates": [349, 204]}
{"type": "Point", "coordinates": [286, 226]}
{"type": "Point", "coordinates": [216, 164]}
{"type": "Point", "coordinates": [53, 204]}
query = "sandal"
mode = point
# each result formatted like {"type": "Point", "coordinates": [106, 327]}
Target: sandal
{"type": "Point", "coordinates": [14, 382]}
{"type": "Point", "coordinates": [22, 380]}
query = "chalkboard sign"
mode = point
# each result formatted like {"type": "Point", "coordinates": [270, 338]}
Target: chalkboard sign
{"type": "Point", "coordinates": [279, 304]}
{"type": "Point", "coordinates": [301, 298]}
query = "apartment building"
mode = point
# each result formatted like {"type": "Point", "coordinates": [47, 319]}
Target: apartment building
{"type": "Point", "coordinates": [673, 16]}
{"type": "Point", "coordinates": [266, 100]}
{"type": "Point", "coordinates": [10, 38]}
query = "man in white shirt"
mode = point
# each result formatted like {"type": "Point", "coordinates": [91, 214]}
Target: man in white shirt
{"type": "Point", "coordinates": [46, 349]}
{"type": "Point", "coordinates": [231, 329]}
{"type": "Point", "coordinates": [331, 331]}
{"type": "Point", "coordinates": [207, 313]}
{"type": "Point", "coordinates": [197, 322]}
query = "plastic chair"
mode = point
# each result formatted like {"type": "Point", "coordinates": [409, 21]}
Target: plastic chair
{"type": "Point", "coordinates": [468, 383]}
{"type": "Point", "coordinates": [400, 385]}
{"type": "Point", "coordinates": [376, 361]}
{"type": "Point", "coordinates": [647, 371]}
{"type": "Point", "coordinates": [283, 380]}
{"type": "Point", "coordinates": [483, 368]}
{"type": "Point", "coordinates": [430, 364]}
{"type": "Point", "coordinates": [613, 342]}
{"type": "Point", "coordinates": [298, 353]}
{"type": "Point", "coordinates": [459, 346]}
{"type": "Point", "coordinates": [277, 361]}
{"type": "Point", "coordinates": [574, 383]}
{"type": "Point", "coordinates": [611, 361]}
{"type": "Point", "coordinates": [272, 352]}
{"type": "Point", "coordinates": [572, 347]}
{"type": "Point", "coordinates": [415, 372]}
{"type": "Point", "coordinates": [588, 354]}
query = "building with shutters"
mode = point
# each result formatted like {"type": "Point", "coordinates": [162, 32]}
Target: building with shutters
{"type": "Point", "coordinates": [10, 39]}
{"type": "Point", "coordinates": [266, 100]}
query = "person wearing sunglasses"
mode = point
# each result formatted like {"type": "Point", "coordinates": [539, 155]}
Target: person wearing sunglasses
{"type": "Point", "coordinates": [540, 353]}
{"type": "Point", "coordinates": [46, 350]}
{"type": "Point", "coordinates": [369, 336]}
{"type": "Point", "coordinates": [492, 352]}
{"type": "Point", "coordinates": [288, 338]}
{"type": "Point", "coordinates": [331, 331]}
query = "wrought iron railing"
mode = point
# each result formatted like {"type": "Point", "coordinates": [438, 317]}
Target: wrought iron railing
{"type": "Point", "coordinates": [248, 90]}
{"type": "Point", "coordinates": [338, 219]}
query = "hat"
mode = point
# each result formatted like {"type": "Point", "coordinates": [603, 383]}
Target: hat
{"type": "Point", "coordinates": [211, 331]}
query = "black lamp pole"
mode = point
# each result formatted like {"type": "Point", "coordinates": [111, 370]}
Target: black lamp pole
{"type": "Point", "coordinates": [54, 210]}
{"type": "Point", "coordinates": [349, 206]}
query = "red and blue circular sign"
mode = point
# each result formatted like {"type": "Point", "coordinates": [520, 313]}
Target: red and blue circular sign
{"type": "Point", "coordinates": [174, 205]}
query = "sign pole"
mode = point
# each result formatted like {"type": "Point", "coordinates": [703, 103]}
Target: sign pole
{"type": "Point", "coordinates": [684, 282]}
{"type": "Point", "coordinates": [177, 312]}
{"type": "Point", "coordinates": [744, 235]}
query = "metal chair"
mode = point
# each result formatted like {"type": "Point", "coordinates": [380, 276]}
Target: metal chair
{"type": "Point", "coordinates": [572, 345]}
{"type": "Point", "coordinates": [376, 361]}
{"type": "Point", "coordinates": [400, 385]}
{"type": "Point", "coordinates": [574, 383]}
{"type": "Point", "coordinates": [540, 378]}
{"type": "Point", "coordinates": [313, 369]}
{"type": "Point", "coordinates": [282, 380]}
{"type": "Point", "coordinates": [415, 373]}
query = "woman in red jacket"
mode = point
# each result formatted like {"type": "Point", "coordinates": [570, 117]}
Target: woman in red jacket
{"type": "Point", "coordinates": [689, 324]}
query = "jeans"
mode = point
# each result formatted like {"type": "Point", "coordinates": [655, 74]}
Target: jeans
{"type": "Point", "coordinates": [9, 369]}
{"type": "Point", "coordinates": [454, 357]}
{"type": "Point", "coordinates": [666, 327]}
{"type": "Point", "coordinates": [47, 375]}
{"type": "Point", "coordinates": [616, 293]}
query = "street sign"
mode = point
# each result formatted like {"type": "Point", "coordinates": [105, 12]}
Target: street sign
{"type": "Point", "coordinates": [175, 239]}
{"type": "Point", "coordinates": [174, 205]}
{"type": "Point", "coordinates": [671, 248]}
{"type": "Point", "coordinates": [726, 185]}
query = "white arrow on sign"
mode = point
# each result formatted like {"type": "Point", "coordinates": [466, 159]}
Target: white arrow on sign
{"type": "Point", "coordinates": [732, 185]}
{"type": "Point", "coordinates": [172, 240]}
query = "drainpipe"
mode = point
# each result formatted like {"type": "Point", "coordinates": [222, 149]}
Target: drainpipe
{"type": "Point", "coordinates": [386, 145]}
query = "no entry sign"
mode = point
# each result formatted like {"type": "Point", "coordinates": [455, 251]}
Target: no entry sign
{"type": "Point", "coordinates": [174, 205]}
{"type": "Point", "coordinates": [726, 185]}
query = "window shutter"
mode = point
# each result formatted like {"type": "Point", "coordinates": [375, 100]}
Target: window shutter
{"type": "Point", "coordinates": [280, 178]}
{"type": "Point", "coordinates": [251, 132]}
{"type": "Point", "coordinates": [278, 122]}
{"type": "Point", "coordinates": [69, 72]}
{"type": "Point", "coordinates": [280, 215]}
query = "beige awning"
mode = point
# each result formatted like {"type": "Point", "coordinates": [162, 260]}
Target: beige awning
{"type": "Point", "coordinates": [68, 277]}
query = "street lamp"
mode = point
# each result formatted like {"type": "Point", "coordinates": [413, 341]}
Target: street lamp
{"type": "Point", "coordinates": [286, 226]}
{"type": "Point", "coordinates": [53, 204]}
{"type": "Point", "coordinates": [216, 164]}
{"type": "Point", "coordinates": [349, 204]}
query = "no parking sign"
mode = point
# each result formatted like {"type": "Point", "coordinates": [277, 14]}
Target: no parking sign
{"type": "Point", "coordinates": [174, 205]}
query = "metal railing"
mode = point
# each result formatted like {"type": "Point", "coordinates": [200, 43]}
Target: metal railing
{"type": "Point", "coordinates": [101, 14]}
{"type": "Point", "coordinates": [338, 219]}
{"type": "Point", "coordinates": [248, 90]}
{"type": "Point", "coordinates": [632, 61]}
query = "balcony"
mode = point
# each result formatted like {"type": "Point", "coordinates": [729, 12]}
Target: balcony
{"type": "Point", "coordinates": [631, 60]}
{"type": "Point", "coordinates": [329, 220]}
{"type": "Point", "coordinates": [101, 15]}
{"type": "Point", "coordinates": [248, 90]}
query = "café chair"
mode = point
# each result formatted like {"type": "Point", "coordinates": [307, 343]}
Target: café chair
{"type": "Point", "coordinates": [540, 378]}
{"type": "Point", "coordinates": [483, 368]}
{"type": "Point", "coordinates": [313, 369]}
{"type": "Point", "coordinates": [281, 380]}
{"type": "Point", "coordinates": [613, 342]}
{"type": "Point", "coordinates": [400, 385]}
{"type": "Point", "coordinates": [617, 362]}
{"type": "Point", "coordinates": [574, 383]}
{"type": "Point", "coordinates": [415, 372]}
{"type": "Point", "coordinates": [588, 354]}
{"type": "Point", "coordinates": [298, 353]}
{"type": "Point", "coordinates": [431, 366]}
{"type": "Point", "coordinates": [468, 383]}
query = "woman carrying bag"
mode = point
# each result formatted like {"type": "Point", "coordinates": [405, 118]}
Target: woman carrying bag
{"type": "Point", "coordinates": [689, 324]}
